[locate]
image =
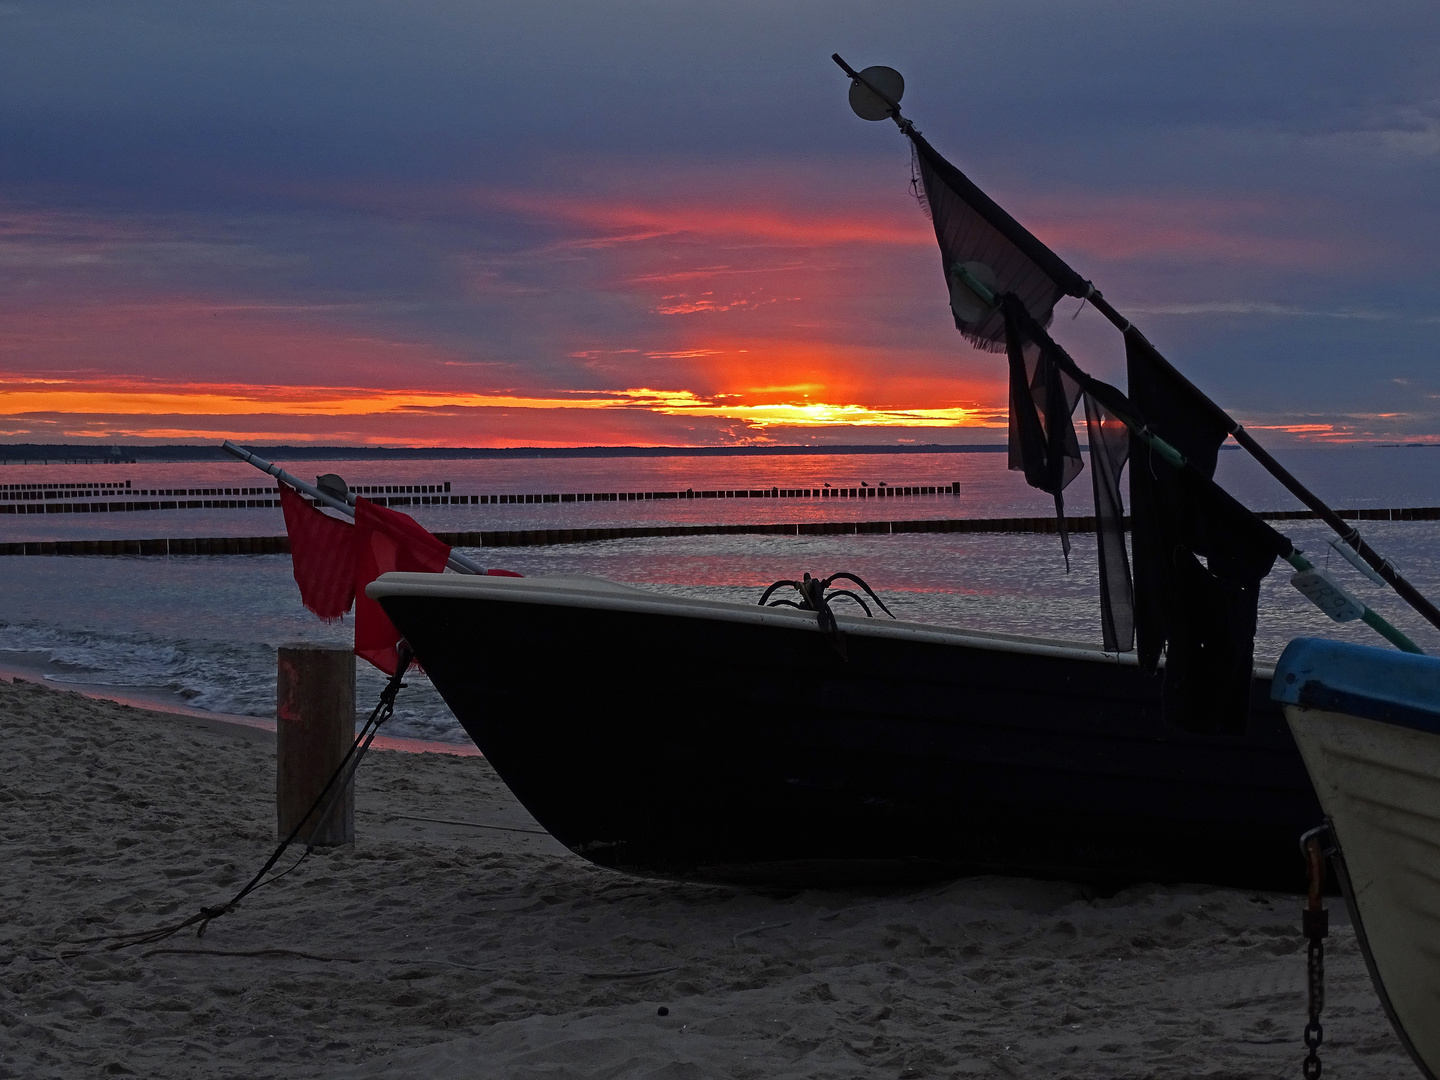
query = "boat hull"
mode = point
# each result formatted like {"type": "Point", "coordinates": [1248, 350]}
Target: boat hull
{"type": "Point", "coordinates": [678, 738]}
{"type": "Point", "coordinates": [1367, 722]}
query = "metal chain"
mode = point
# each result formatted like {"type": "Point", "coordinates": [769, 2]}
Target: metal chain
{"type": "Point", "coordinates": [1315, 922]}
{"type": "Point", "coordinates": [1314, 1033]}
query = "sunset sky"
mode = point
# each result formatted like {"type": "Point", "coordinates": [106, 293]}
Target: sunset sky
{"type": "Point", "coordinates": [482, 224]}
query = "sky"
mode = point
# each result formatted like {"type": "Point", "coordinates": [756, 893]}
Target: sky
{"type": "Point", "coordinates": [640, 223]}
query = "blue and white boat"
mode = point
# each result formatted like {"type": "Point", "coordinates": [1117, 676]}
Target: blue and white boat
{"type": "Point", "coordinates": [1367, 722]}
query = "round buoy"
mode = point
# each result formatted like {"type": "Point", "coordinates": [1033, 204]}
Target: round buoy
{"type": "Point", "coordinates": [869, 105]}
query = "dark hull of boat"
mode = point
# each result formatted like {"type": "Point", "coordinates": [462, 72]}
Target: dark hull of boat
{"type": "Point", "coordinates": [704, 749]}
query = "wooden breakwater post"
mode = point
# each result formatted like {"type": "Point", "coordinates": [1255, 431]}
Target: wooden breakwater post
{"type": "Point", "coordinates": [315, 726]}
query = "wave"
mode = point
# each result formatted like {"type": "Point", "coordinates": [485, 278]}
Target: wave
{"type": "Point", "coordinates": [237, 678]}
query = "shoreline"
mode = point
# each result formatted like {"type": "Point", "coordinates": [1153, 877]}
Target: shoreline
{"type": "Point", "coordinates": [162, 701]}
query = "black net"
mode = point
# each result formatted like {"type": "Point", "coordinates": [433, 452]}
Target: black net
{"type": "Point", "coordinates": [1109, 450]}
{"type": "Point", "coordinates": [973, 231]}
{"type": "Point", "coordinates": [1202, 614]}
{"type": "Point", "coordinates": [1042, 397]}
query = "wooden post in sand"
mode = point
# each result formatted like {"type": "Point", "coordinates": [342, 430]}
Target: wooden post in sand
{"type": "Point", "coordinates": [315, 716]}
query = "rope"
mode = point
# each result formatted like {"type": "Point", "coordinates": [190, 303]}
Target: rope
{"type": "Point", "coordinates": [324, 802]}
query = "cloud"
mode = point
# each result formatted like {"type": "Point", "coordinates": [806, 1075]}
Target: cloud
{"type": "Point", "coordinates": [1402, 130]}
{"type": "Point", "coordinates": [706, 273]}
{"type": "Point", "coordinates": [1256, 307]}
{"type": "Point", "coordinates": [685, 304]}
{"type": "Point", "coordinates": [633, 221]}
{"type": "Point", "coordinates": [1179, 228]}
{"type": "Point", "coordinates": [1353, 428]}
{"type": "Point", "coordinates": [55, 399]}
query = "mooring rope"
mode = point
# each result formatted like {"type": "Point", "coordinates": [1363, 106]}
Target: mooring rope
{"type": "Point", "coordinates": [324, 802]}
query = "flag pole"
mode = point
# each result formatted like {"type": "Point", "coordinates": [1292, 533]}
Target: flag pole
{"type": "Point", "coordinates": [294, 481]}
{"type": "Point", "coordinates": [459, 563]}
{"type": "Point", "coordinates": [1347, 533]}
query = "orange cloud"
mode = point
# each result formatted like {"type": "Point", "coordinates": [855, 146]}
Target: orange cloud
{"type": "Point", "coordinates": [23, 398]}
{"type": "Point", "coordinates": [683, 304]}
{"type": "Point", "coordinates": [718, 306]}
{"type": "Point", "coordinates": [242, 400]}
{"type": "Point", "coordinates": [1178, 227]}
{"type": "Point", "coordinates": [1348, 428]}
{"type": "Point", "coordinates": [1296, 429]}
{"type": "Point", "coordinates": [186, 338]}
{"type": "Point", "coordinates": [630, 221]}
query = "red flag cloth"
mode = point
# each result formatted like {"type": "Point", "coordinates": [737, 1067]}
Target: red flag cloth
{"type": "Point", "coordinates": [322, 555]}
{"type": "Point", "coordinates": [386, 541]}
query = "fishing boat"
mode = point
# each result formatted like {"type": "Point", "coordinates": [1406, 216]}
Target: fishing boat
{"type": "Point", "coordinates": [1367, 722]}
{"type": "Point", "coordinates": [702, 739]}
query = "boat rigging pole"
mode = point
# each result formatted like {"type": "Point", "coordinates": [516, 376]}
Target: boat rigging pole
{"type": "Point", "coordinates": [346, 506]}
{"type": "Point", "coordinates": [1347, 533]}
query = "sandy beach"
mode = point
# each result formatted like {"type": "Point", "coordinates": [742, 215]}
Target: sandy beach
{"type": "Point", "coordinates": [456, 939]}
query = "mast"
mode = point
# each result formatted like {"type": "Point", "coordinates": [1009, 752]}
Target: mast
{"type": "Point", "coordinates": [1349, 534]}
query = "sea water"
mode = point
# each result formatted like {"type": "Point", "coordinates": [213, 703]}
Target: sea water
{"type": "Point", "coordinates": [203, 629]}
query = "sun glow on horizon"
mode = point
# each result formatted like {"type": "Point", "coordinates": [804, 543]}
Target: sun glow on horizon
{"type": "Point", "coordinates": [786, 407]}
{"type": "Point", "coordinates": [697, 311]}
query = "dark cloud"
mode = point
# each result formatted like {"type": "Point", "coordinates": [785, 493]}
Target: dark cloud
{"type": "Point", "coordinates": [456, 88]}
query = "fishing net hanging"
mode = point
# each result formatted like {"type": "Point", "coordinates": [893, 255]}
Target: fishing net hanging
{"type": "Point", "coordinates": [975, 233]}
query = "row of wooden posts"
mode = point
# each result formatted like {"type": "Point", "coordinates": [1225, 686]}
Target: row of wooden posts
{"type": "Point", "coordinates": [58, 501]}
{"type": "Point", "coordinates": [280, 545]}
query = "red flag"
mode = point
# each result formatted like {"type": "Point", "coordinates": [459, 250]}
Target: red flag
{"type": "Point", "coordinates": [322, 556]}
{"type": "Point", "coordinates": [385, 541]}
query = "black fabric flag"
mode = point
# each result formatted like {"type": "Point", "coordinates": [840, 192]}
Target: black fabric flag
{"type": "Point", "coordinates": [1044, 388]}
{"type": "Point", "coordinates": [1042, 398]}
{"type": "Point", "coordinates": [1109, 450]}
{"type": "Point", "coordinates": [1202, 614]}
{"type": "Point", "coordinates": [975, 233]}
{"type": "Point", "coordinates": [1004, 284]}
